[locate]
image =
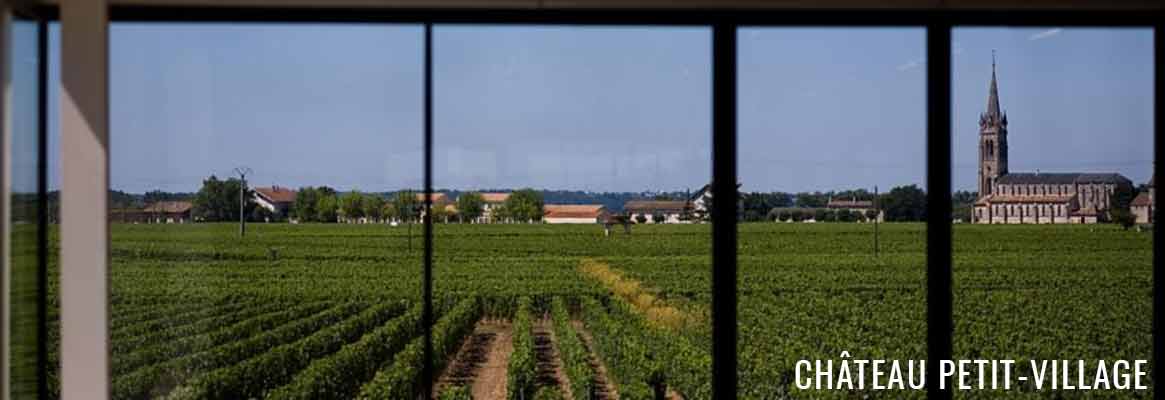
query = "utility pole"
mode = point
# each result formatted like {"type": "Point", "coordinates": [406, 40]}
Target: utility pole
{"type": "Point", "coordinates": [242, 171]}
{"type": "Point", "coordinates": [877, 213]}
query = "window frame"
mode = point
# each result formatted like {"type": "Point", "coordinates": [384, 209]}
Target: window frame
{"type": "Point", "coordinates": [85, 23]}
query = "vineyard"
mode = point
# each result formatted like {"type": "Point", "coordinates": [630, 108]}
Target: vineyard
{"type": "Point", "coordinates": [551, 311]}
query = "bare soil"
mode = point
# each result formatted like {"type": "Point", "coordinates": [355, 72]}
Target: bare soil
{"type": "Point", "coordinates": [605, 388]}
{"type": "Point", "coordinates": [548, 363]}
{"type": "Point", "coordinates": [481, 362]}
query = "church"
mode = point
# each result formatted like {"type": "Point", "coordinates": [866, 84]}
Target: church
{"type": "Point", "coordinates": [1007, 197]}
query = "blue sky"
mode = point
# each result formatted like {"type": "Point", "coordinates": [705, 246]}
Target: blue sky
{"type": "Point", "coordinates": [605, 108]}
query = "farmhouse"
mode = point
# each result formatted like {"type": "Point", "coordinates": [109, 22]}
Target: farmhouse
{"type": "Point", "coordinates": [573, 213]}
{"type": "Point", "coordinates": [1142, 205]}
{"type": "Point", "coordinates": [277, 200]}
{"type": "Point", "coordinates": [657, 211]}
{"type": "Point", "coordinates": [1007, 197]}
{"type": "Point", "coordinates": [852, 205]}
{"type": "Point", "coordinates": [701, 203]}
{"type": "Point", "coordinates": [438, 198]}
{"type": "Point", "coordinates": [168, 212]}
{"type": "Point", "coordinates": [491, 203]}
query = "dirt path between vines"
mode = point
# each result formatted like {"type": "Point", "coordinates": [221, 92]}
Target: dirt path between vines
{"type": "Point", "coordinates": [605, 388]}
{"type": "Point", "coordinates": [481, 362]}
{"type": "Point", "coordinates": [550, 372]}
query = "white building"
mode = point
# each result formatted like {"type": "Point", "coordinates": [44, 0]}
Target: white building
{"type": "Point", "coordinates": [1142, 206]}
{"type": "Point", "coordinates": [277, 200]}
{"type": "Point", "coordinates": [490, 203]}
{"type": "Point", "coordinates": [657, 211]}
{"type": "Point", "coordinates": [573, 213]}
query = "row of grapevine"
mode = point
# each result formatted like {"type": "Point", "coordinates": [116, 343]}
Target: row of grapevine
{"type": "Point", "coordinates": [340, 375]}
{"type": "Point", "coordinates": [572, 352]}
{"type": "Point", "coordinates": [141, 334]}
{"type": "Point", "coordinates": [159, 379]}
{"type": "Point", "coordinates": [126, 315]}
{"type": "Point", "coordinates": [401, 378]}
{"type": "Point", "coordinates": [520, 373]}
{"type": "Point", "coordinates": [634, 370]}
{"type": "Point", "coordinates": [250, 379]}
{"type": "Point", "coordinates": [127, 362]}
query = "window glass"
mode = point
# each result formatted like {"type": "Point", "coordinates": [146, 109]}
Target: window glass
{"type": "Point", "coordinates": [570, 163]}
{"type": "Point", "coordinates": [308, 129]}
{"type": "Point", "coordinates": [24, 205]}
{"type": "Point", "coordinates": [1053, 134]}
{"type": "Point", "coordinates": [831, 166]}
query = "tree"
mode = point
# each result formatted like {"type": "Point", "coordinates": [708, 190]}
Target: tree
{"type": "Point", "coordinates": [373, 207]}
{"type": "Point", "coordinates": [524, 205]}
{"type": "Point", "coordinates": [642, 219]}
{"type": "Point", "coordinates": [784, 214]}
{"type": "Point", "coordinates": [499, 214]}
{"type": "Point", "coordinates": [352, 206]}
{"type": "Point", "coordinates": [388, 211]}
{"type": "Point", "coordinates": [820, 214]}
{"type": "Point", "coordinates": [326, 208]}
{"type": "Point", "coordinates": [812, 200]}
{"type": "Point", "coordinates": [1122, 217]}
{"type": "Point", "coordinates": [1123, 196]}
{"type": "Point", "coordinates": [797, 215]}
{"type": "Point", "coordinates": [757, 206]}
{"type": "Point", "coordinates": [304, 208]}
{"type": "Point", "coordinates": [871, 214]}
{"type": "Point", "coordinates": [218, 200]}
{"type": "Point", "coordinates": [470, 206]}
{"type": "Point", "coordinates": [440, 213]}
{"type": "Point", "coordinates": [845, 215]}
{"type": "Point", "coordinates": [905, 203]}
{"type": "Point", "coordinates": [657, 218]}
{"type": "Point", "coordinates": [406, 205]}
{"type": "Point", "coordinates": [262, 214]}
{"type": "Point", "coordinates": [962, 204]}
{"type": "Point", "coordinates": [774, 214]}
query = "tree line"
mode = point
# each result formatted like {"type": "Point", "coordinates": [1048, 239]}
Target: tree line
{"type": "Point", "coordinates": [901, 203]}
{"type": "Point", "coordinates": [217, 200]}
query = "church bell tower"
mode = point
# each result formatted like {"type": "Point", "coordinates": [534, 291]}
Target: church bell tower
{"type": "Point", "coordinates": [992, 138]}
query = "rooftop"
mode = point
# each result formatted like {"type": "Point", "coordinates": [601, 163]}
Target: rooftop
{"type": "Point", "coordinates": [276, 194]}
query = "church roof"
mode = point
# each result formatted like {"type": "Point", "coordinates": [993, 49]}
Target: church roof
{"type": "Point", "coordinates": [993, 93]}
{"type": "Point", "coordinates": [1059, 178]}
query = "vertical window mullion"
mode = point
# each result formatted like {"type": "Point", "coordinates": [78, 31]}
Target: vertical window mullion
{"type": "Point", "coordinates": [940, 324]}
{"type": "Point", "coordinates": [84, 260]}
{"type": "Point", "coordinates": [427, 313]}
{"type": "Point", "coordinates": [1158, 236]}
{"type": "Point", "coordinates": [42, 209]}
{"type": "Point", "coordinates": [724, 211]}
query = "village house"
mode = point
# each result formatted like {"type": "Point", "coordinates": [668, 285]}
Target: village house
{"type": "Point", "coordinates": [440, 200]}
{"type": "Point", "coordinates": [491, 202]}
{"type": "Point", "coordinates": [1007, 197]}
{"type": "Point", "coordinates": [277, 200]}
{"type": "Point", "coordinates": [657, 211]}
{"type": "Point", "coordinates": [168, 212]}
{"type": "Point", "coordinates": [701, 203]}
{"type": "Point", "coordinates": [861, 207]}
{"type": "Point", "coordinates": [573, 213]}
{"type": "Point", "coordinates": [1142, 205]}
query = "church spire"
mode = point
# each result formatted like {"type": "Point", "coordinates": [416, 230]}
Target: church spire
{"type": "Point", "coordinates": [993, 94]}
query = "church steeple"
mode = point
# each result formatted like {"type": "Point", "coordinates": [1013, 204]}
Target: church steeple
{"type": "Point", "coordinates": [992, 138]}
{"type": "Point", "coordinates": [993, 93]}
